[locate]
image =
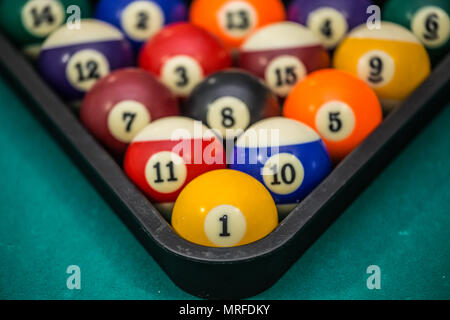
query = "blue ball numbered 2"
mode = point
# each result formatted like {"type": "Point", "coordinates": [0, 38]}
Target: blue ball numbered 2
{"type": "Point", "coordinates": [287, 156]}
{"type": "Point", "coordinates": [139, 20]}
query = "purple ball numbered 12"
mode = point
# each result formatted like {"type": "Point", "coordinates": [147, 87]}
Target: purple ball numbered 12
{"type": "Point", "coordinates": [286, 156]}
{"type": "Point", "coordinates": [330, 20]}
{"type": "Point", "coordinates": [73, 59]}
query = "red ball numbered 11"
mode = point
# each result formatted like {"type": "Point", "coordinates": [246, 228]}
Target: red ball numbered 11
{"type": "Point", "coordinates": [168, 154]}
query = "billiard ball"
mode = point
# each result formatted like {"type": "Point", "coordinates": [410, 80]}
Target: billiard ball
{"type": "Point", "coordinates": [124, 102]}
{"type": "Point", "coordinates": [169, 153]}
{"type": "Point", "coordinates": [329, 20]}
{"type": "Point", "coordinates": [181, 55]}
{"type": "Point", "coordinates": [224, 208]}
{"type": "Point", "coordinates": [229, 101]}
{"type": "Point", "coordinates": [282, 54]}
{"type": "Point", "coordinates": [233, 20]}
{"type": "Point", "coordinates": [139, 20]}
{"type": "Point", "coordinates": [29, 22]}
{"type": "Point", "coordinates": [428, 19]}
{"type": "Point", "coordinates": [390, 59]}
{"type": "Point", "coordinates": [72, 60]}
{"type": "Point", "coordinates": [343, 109]}
{"type": "Point", "coordinates": [288, 157]}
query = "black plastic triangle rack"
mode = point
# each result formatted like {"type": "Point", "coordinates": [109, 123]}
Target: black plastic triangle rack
{"type": "Point", "coordinates": [229, 273]}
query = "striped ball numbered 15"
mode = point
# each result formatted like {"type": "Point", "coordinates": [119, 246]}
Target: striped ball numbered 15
{"type": "Point", "coordinates": [288, 157]}
{"type": "Point", "coordinates": [282, 54]}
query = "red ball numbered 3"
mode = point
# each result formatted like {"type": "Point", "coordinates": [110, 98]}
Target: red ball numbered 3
{"type": "Point", "coordinates": [123, 103]}
{"type": "Point", "coordinates": [168, 154]}
{"type": "Point", "coordinates": [182, 55]}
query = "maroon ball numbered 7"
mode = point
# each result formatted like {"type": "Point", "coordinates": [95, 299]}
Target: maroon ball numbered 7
{"type": "Point", "coordinates": [121, 104]}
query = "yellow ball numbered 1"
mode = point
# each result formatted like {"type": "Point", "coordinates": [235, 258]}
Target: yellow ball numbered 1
{"type": "Point", "coordinates": [224, 208]}
{"type": "Point", "coordinates": [390, 59]}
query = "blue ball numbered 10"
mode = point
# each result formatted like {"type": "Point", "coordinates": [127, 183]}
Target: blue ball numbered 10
{"type": "Point", "coordinates": [139, 20]}
{"type": "Point", "coordinates": [287, 156]}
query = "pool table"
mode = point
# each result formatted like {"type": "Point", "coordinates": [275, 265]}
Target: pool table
{"type": "Point", "coordinates": [51, 217]}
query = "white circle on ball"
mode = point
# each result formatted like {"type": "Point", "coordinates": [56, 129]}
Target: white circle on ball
{"type": "Point", "coordinates": [237, 18]}
{"type": "Point", "coordinates": [283, 73]}
{"type": "Point", "coordinates": [181, 74]}
{"type": "Point", "coordinates": [335, 120]}
{"type": "Point", "coordinates": [376, 68]}
{"type": "Point", "coordinates": [85, 68]}
{"type": "Point", "coordinates": [41, 17]}
{"type": "Point", "coordinates": [126, 119]}
{"type": "Point", "coordinates": [142, 19]}
{"type": "Point", "coordinates": [329, 25]}
{"type": "Point", "coordinates": [432, 26]}
{"type": "Point", "coordinates": [283, 173]}
{"type": "Point", "coordinates": [229, 116]}
{"type": "Point", "coordinates": [225, 225]}
{"type": "Point", "coordinates": [165, 172]}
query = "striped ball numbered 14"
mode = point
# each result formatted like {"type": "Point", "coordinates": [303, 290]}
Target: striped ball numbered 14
{"type": "Point", "coordinates": [29, 22]}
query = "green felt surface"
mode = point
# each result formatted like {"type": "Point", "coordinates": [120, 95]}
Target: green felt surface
{"type": "Point", "coordinates": [51, 217]}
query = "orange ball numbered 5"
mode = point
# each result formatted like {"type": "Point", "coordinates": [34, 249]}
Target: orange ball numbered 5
{"type": "Point", "coordinates": [224, 208]}
{"type": "Point", "coordinates": [343, 109]}
{"type": "Point", "coordinates": [233, 20]}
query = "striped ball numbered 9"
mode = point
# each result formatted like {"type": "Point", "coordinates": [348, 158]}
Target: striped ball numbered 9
{"type": "Point", "coordinates": [390, 59]}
